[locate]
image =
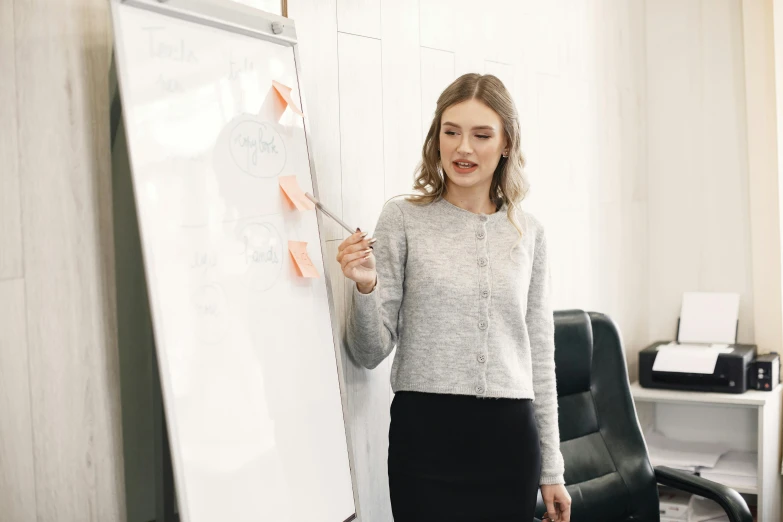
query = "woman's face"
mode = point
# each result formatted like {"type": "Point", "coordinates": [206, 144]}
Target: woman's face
{"type": "Point", "coordinates": [471, 143]}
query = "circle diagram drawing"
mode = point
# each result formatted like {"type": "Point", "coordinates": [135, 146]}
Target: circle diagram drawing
{"type": "Point", "coordinates": [262, 253]}
{"type": "Point", "coordinates": [257, 148]}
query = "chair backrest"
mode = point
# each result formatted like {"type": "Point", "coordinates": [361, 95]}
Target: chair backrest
{"type": "Point", "coordinates": [607, 470]}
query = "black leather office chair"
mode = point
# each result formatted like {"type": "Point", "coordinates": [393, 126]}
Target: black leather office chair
{"type": "Point", "coordinates": [607, 470]}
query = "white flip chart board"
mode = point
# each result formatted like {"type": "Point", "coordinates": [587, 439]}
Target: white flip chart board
{"type": "Point", "coordinates": [244, 342]}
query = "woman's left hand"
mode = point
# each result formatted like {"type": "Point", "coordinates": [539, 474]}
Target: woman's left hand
{"type": "Point", "coordinates": [557, 502]}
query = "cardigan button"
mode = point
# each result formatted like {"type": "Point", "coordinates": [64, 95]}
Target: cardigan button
{"type": "Point", "coordinates": [485, 293]}
{"type": "Point", "coordinates": [479, 389]}
{"type": "Point", "coordinates": [482, 358]}
{"type": "Point", "coordinates": [483, 325]}
{"type": "Point", "coordinates": [483, 218]}
{"type": "Point", "coordinates": [482, 261]}
{"type": "Point", "coordinates": [480, 234]}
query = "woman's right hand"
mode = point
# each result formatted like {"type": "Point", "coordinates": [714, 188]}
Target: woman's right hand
{"type": "Point", "coordinates": [357, 261]}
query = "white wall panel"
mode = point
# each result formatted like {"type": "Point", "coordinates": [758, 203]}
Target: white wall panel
{"type": "Point", "coordinates": [359, 17]}
{"type": "Point", "coordinates": [361, 129]}
{"type": "Point", "coordinates": [498, 21]}
{"type": "Point", "coordinates": [437, 72]}
{"type": "Point", "coordinates": [503, 71]}
{"type": "Point", "coordinates": [363, 188]}
{"type": "Point", "coordinates": [438, 20]}
{"type": "Point", "coordinates": [401, 94]}
{"type": "Point", "coordinates": [316, 29]}
{"type": "Point", "coordinates": [470, 43]}
{"type": "Point", "coordinates": [546, 37]}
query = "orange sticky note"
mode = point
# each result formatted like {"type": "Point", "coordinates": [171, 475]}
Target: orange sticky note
{"type": "Point", "coordinates": [285, 93]}
{"type": "Point", "coordinates": [295, 194]}
{"type": "Point", "coordinates": [302, 261]}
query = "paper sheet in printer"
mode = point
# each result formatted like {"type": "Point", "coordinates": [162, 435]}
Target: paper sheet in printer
{"type": "Point", "coordinates": [688, 358]}
{"type": "Point", "coordinates": [708, 317]}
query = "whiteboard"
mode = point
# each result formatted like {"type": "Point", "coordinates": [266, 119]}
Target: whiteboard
{"type": "Point", "coordinates": [245, 344]}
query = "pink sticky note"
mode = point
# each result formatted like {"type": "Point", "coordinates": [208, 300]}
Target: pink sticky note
{"type": "Point", "coordinates": [285, 93]}
{"type": "Point", "coordinates": [302, 261]}
{"type": "Point", "coordinates": [295, 194]}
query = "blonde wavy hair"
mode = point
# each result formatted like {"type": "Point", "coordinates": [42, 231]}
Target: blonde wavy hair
{"type": "Point", "coordinates": [509, 182]}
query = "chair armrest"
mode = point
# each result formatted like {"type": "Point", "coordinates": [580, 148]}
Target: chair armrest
{"type": "Point", "coordinates": [731, 501]}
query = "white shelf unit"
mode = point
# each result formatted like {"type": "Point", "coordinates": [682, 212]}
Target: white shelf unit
{"type": "Point", "coordinates": [748, 421]}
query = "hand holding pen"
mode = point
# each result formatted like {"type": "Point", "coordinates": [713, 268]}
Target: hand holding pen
{"type": "Point", "coordinates": [354, 254]}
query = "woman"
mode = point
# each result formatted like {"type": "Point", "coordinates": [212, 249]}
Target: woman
{"type": "Point", "coordinates": [457, 278]}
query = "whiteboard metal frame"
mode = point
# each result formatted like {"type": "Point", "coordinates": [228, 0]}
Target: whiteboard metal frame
{"type": "Point", "coordinates": [223, 14]}
{"type": "Point", "coordinates": [241, 19]}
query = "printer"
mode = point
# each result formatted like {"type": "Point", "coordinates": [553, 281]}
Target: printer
{"type": "Point", "coordinates": [731, 372]}
{"type": "Point", "coordinates": [705, 355]}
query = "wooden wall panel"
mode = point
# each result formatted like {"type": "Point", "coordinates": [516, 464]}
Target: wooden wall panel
{"type": "Point", "coordinates": [10, 210]}
{"type": "Point", "coordinates": [62, 54]}
{"type": "Point", "coordinates": [17, 466]}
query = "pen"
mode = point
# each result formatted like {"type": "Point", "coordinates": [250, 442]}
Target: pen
{"type": "Point", "coordinates": [330, 214]}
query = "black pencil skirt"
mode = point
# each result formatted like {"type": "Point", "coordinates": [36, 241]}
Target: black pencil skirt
{"type": "Point", "coordinates": [459, 458]}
